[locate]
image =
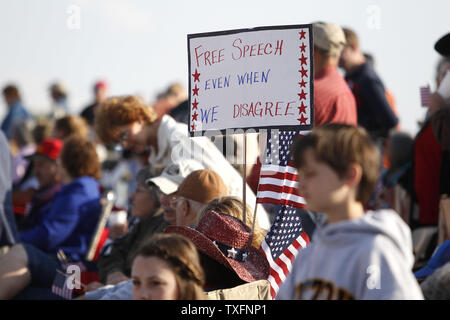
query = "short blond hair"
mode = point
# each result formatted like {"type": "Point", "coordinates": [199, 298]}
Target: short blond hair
{"type": "Point", "coordinates": [233, 206]}
{"type": "Point", "coordinates": [72, 124]}
{"type": "Point", "coordinates": [351, 37]}
{"type": "Point", "coordinates": [120, 111]}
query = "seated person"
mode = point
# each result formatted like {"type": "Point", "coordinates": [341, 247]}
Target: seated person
{"type": "Point", "coordinates": [115, 266]}
{"type": "Point", "coordinates": [67, 225]}
{"type": "Point", "coordinates": [114, 261]}
{"type": "Point", "coordinates": [193, 194]}
{"type": "Point", "coordinates": [227, 240]}
{"type": "Point", "coordinates": [173, 262]}
{"type": "Point", "coordinates": [216, 238]}
{"type": "Point", "coordinates": [234, 207]}
{"type": "Point", "coordinates": [47, 172]}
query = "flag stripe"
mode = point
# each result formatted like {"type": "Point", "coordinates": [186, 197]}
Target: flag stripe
{"type": "Point", "coordinates": [280, 175]}
{"type": "Point", "coordinates": [303, 239]}
{"type": "Point", "coordinates": [279, 182]}
{"type": "Point", "coordinates": [280, 196]}
{"type": "Point", "coordinates": [290, 255]}
{"type": "Point", "coordinates": [276, 270]}
{"type": "Point", "coordinates": [280, 189]}
{"type": "Point", "coordinates": [282, 264]}
{"type": "Point", "coordinates": [282, 202]}
{"type": "Point", "coordinates": [281, 267]}
{"type": "Point", "coordinates": [60, 288]}
{"type": "Point", "coordinates": [266, 168]}
{"type": "Point", "coordinates": [273, 278]}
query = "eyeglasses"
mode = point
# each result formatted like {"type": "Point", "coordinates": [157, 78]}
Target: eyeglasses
{"type": "Point", "coordinates": [173, 200]}
{"type": "Point", "coordinates": [124, 135]}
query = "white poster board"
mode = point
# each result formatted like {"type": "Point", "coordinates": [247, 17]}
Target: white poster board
{"type": "Point", "coordinates": [258, 78]}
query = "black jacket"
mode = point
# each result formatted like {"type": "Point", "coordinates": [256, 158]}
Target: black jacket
{"type": "Point", "coordinates": [118, 256]}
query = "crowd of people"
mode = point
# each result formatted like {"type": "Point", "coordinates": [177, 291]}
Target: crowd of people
{"type": "Point", "coordinates": [377, 198]}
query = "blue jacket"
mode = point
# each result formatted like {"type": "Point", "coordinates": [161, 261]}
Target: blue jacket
{"type": "Point", "coordinates": [69, 221]}
{"type": "Point", "coordinates": [16, 115]}
{"type": "Point", "coordinates": [374, 112]}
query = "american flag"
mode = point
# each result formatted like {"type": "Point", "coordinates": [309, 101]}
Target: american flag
{"type": "Point", "coordinates": [425, 96]}
{"type": "Point", "coordinates": [278, 185]}
{"type": "Point", "coordinates": [60, 287]}
{"type": "Point", "coordinates": [281, 245]}
{"type": "Point", "coordinates": [278, 179]}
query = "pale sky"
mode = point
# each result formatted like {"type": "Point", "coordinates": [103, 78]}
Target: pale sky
{"type": "Point", "coordinates": [140, 47]}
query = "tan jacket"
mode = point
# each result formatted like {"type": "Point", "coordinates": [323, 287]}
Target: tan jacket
{"type": "Point", "coordinates": [257, 290]}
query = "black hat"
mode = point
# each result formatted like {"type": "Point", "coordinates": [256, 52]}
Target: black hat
{"type": "Point", "coordinates": [443, 45]}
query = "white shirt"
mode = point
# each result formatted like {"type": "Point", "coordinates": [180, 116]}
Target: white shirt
{"type": "Point", "coordinates": [174, 144]}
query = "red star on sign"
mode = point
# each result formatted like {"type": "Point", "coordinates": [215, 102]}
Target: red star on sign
{"type": "Point", "coordinates": [303, 47]}
{"type": "Point", "coordinates": [302, 95]}
{"type": "Point", "coordinates": [302, 119]}
{"type": "Point", "coordinates": [196, 76]}
{"type": "Point", "coordinates": [302, 59]}
{"type": "Point", "coordinates": [194, 104]}
{"type": "Point", "coordinates": [302, 84]}
{"type": "Point", "coordinates": [302, 109]}
{"type": "Point", "coordinates": [193, 126]}
{"type": "Point", "coordinates": [302, 35]}
{"type": "Point", "coordinates": [194, 116]}
{"type": "Point", "coordinates": [195, 91]}
{"type": "Point", "coordinates": [304, 72]}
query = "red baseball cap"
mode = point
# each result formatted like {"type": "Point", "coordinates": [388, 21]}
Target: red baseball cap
{"type": "Point", "coordinates": [49, 148]}
{"type": "Point", "coordinates": [100, 84]}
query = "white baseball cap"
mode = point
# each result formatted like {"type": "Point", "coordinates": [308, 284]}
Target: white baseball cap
{"type": "Point", "coordinates": [174, 174]}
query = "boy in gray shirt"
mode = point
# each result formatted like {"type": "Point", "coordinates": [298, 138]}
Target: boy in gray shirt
{"type": "Point", "coordinates": [355, 254]}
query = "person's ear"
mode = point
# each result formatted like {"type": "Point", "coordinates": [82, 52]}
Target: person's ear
{"type": "Point", "coordinates": [354, 175]}
{"type": "Point", "coordinates": [185, 207]}
{"type": "Point", "coordinates": [354, 47]}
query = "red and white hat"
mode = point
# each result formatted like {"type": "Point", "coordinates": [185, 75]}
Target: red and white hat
{"type": "Point", "coordinates": [227, 240]}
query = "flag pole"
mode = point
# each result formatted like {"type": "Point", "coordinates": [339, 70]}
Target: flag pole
{"type": "Point", "coordinates": [244, 181]}
{"type": "Point", "coordinates": [261, 156]}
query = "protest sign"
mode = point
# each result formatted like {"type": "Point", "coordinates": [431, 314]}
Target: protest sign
{"type": "Point", "coordinates": [258, 78]}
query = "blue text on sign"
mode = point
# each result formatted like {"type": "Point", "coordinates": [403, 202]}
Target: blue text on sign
{"type": "Point", "coordinates": [208, 114]}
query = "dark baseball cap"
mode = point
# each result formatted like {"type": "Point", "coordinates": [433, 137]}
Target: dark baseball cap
{"type": "Point", "coordinates": [443, 45]}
